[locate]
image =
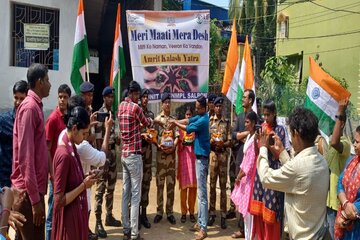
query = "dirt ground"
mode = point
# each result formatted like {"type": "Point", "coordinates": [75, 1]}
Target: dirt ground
{"type": "Point", "coordinates": [163, 230]}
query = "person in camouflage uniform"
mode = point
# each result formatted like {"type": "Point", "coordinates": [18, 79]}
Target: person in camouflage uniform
{"type": "Point", "coordinates": [146, 152]}
{"type": "Point", "coordinates": [220, 140]}
{"type": "Point", "coordinates": [108, 179]}
{"type": "Point", "coordinates": [87, 94]}
{"type": "Point", "coordinates": [210, 105]}
{"type": "Point", "coordinates": [165, 161]}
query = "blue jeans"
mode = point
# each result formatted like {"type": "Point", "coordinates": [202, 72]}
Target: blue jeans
{"type": "Point", "coordinates": [330, 218]}
{"type": "Point", "coordinates": [202, 167]}
{"type": "Point", "coordinates": [132, 179]}
{"type": "Point", "coordinates": [48, 223]}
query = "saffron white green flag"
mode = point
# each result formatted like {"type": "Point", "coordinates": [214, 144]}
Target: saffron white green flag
{"type": "Point", "coordinates": [237, 80]}
{"type": "Point", "coordinates": [118, 62]}
{"type": "Point", "coordinates": [323, 95]}
{"type": "Point", "coordinates": [81, 50]}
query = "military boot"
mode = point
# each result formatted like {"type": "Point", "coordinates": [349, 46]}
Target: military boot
{"type": "Point", "coordinates": [144, 220]}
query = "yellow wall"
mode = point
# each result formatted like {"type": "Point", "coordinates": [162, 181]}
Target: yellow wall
{"type": "Point", "coordinates": [339, 55]}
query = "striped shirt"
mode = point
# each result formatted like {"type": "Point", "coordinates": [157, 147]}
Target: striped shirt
{"type": "Point", "coordinates": [131, 118]}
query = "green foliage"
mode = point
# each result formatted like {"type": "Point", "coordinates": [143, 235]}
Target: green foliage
{"type": "Point", "coordinates": [235, 9]}
{"type": "Point", "coordinates": [215, 55]}
{"type": "Point", "coordinates": [258, 19]}
{"type": "Point", "coordinates": [279, 84]}
{"type": "Point", "coordinates": [279, 71]}
{"type": "Point", "coordinates": [172, 5]}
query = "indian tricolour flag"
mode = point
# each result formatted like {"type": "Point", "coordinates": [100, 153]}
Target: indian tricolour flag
{"type": "Point", "coordinates": [237, 80]}
{"type": "Point", "coordinates": [118, 61]}
{"type": "Point", "coordinates": [81, 50]}
{"type": "Point", "coordinates": [323, 94]}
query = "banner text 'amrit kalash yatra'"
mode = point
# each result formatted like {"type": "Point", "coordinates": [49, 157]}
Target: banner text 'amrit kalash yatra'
{"type": "Point", "coordinates": [170, 52]}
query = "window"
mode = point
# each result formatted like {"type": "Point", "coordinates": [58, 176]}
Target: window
{"type": "Point", "coordinates": [283, 23]}
{"type": "Point", "coordinates": [34, 36]}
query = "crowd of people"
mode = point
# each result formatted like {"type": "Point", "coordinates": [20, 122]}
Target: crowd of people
{"type": "Point", "coordinates": [285, 181]}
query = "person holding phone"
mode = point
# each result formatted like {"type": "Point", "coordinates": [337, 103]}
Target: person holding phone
{"type": "Point", "coordinates": [70, 216]}
{"type": "Point", "coordinates": [107, 180]}
{"type": "Point", "coordinates": [304, 178]}
{"type": "Point", "coordinates": [267, 205]}
{"type": "Point", "coordinates": [89, 156]}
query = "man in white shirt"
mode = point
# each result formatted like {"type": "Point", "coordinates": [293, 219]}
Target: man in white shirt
{"type": "Point", "coordinates": [90, 156]}
{"type": "Point", "coordinates": [304, 178]}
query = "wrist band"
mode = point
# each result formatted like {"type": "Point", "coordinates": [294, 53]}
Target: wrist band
{"type": "Point", "coordinates": [344, 204]}
{"type": "Point", "coordinates": [5, 210]}
{"type": "Point", "coordinates": [341, 117]}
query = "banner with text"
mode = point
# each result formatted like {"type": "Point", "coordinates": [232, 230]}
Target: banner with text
{"type": "Point", "coordinates": [170, 52]}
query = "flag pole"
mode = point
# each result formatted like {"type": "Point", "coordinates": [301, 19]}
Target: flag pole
{"type": "Point", "coordinates": [231, 113]}
{"type": "Point", "coordinates": [87, 71]}
{"type": "Point", "coordinates": [119, 100]}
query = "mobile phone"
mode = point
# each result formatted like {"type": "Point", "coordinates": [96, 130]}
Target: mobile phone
{"type": "Point", "coordinates": [101, 116]}
{"type": "Point", "coordinates": [271, 139]}
{"type": "Point", "coordinates": [258, 128]}
{"type": "Point", "coordinates": [97, 173]}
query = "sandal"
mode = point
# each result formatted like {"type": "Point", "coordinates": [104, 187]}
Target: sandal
{"type": "Point", "coordinates": [201, 235]}
{"type": "Point", "coordinates": [238, 234]}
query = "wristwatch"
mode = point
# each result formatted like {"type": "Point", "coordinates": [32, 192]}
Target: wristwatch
{"type": "Point", "coordinates": [341, 117]}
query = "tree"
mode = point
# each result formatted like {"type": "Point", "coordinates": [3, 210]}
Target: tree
{"type": "Point", "coordinates": [172, 5]}
{"type": "Point", "coordinates": [258, 19]}
{"type": "Point", "coordinates": [214, 52]}
{"type": "Point", "coordinates": [279, 85]}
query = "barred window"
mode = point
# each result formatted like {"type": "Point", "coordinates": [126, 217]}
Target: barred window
{"type": "Point", "coordinates": [34, 36]}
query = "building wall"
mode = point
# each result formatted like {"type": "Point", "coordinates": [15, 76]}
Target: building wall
{"type": "Point", "coordinates": [339, 55]}
{"type": "Point", "coordinates": [9, 74]}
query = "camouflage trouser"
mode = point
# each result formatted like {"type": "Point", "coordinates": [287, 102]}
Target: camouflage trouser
{"type": "Point", "coordinates": [107, 181]}
{"type": "Point", "coordinates": [232, 176]}
{"type": "Point", "coordinates": [145, 187]}
{"type": "Point", "coordinates": [218, 167]}
{"type": "Point", "coordinates": [165, 170]}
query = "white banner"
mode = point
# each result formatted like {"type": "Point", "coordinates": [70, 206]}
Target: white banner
{"type": "Point", "coordinates": [36, 36]}
{"type": "Point", "coordinates": [170, 52]}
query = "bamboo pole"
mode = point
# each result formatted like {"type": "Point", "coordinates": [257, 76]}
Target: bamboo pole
{"type": "Point", "coordinates": [119, 88]}
{"type": "Point", "coordinates": [87, 71]}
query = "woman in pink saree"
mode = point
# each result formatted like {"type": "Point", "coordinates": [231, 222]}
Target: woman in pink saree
{"type": "Point", "coordinates": [186, 172]}
{"type": "Point", "coordinates": [242, 193]}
